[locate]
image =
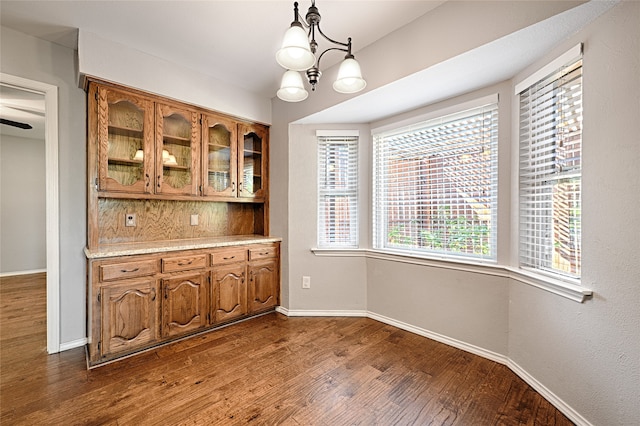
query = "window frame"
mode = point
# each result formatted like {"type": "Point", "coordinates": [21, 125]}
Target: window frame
{"type": "Point", "coordinates": [456, 112]}
{"type": "Point", "coordinates": [536, 267]}
{"type": "Point", "coordinates": [350, 191]}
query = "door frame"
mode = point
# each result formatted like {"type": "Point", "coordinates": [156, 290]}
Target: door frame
{"type": "Point", "coordinates": [52, 213]}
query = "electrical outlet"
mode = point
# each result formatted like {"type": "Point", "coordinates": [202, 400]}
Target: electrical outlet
{"type": "Point", "coordinates": [306, 282]}
{"type": "Point", "coordinates": [194, 220]}
{"type": "Point", "coordinates": [130, 219]}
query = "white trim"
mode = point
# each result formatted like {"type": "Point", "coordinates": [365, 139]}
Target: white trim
{"type": "Point", "coordinates": [321, 313]}
{"type": "Point", "coordinates": [459, 344]}
{"type": "Point", "coordinates": [440, 113]}
{"type": "Point", "coordinates": [73, 344]}
{"type": "Point", "coordinates": [562, 60]}
{"type": "Point", "coordinates": [556, 401]}
{"type": "Point", "coordinates": [570, 291]}
{"type": "Point", "coordinates": [52, 202]}
{"type": "Point", "coordinates": [16, 273]}
{"type": "Point", "coordinates": [337, 133]}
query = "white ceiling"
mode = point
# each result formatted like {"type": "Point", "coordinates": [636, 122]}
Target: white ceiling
{"type": "Point", "coordinates": [236, 41]}
{"type": "Point", "coordinates": [24, 107]}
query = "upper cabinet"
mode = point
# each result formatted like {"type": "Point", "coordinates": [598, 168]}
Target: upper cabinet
{"type": "Point", "coordinates": [148, 148]}
{"type": "Point", "coordinates": [220, 149]}
{"type": "Point", "coordinates": [252, 161]}
{"type": "Point", "coordinates": [235, 158]}
{"type": "Point", "coordinates": [177, 150]}
{"type": "Point", "coordinates": [125, 141]}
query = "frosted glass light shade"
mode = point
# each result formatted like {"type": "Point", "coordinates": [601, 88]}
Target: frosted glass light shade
{"type": "Point", "coordinates": [292, 89]}
{"type": "Point", "coordinates": [349, 77]}
{"type": "Point", "coordinates": [295, 53]}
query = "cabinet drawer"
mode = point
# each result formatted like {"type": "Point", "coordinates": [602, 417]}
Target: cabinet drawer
{"type": "Point", "coordinates": [183, 263]}
{"type": "Point", "coordinates": [229, 256]}
{"type": "Point", "coordinates": [128, 270]}
{"type": "Point", "coordinates": [263, 252]}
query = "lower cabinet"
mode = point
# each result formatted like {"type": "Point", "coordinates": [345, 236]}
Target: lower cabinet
{"type": "Point", "coordinates": [140, 301]}
{"type": "Point", "coordinates": [129, 315]}
{"type": "Point", "coordinates": [184, 304]}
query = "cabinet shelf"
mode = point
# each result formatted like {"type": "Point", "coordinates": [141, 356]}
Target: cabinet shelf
{"type": "Point", "coordinates": [176, 140]}
{"type": "Point", "coordinates": [219, 145]}
{"type": "Point", "coordinates": [175, 167]}
{"type": "Point", "coordinates": [125, 161]}
{"type": "Point", "coordinates": [125, 131]}
{"type": "Point", "coordinates": [249, 151]}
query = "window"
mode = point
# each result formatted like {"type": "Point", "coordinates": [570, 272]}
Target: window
{"type": "Point", "coordinates": [337, 191]}
{"type": "Point", "coordinates": [435, 185]}
{"type": "Point", "coordinates": [550, 172]}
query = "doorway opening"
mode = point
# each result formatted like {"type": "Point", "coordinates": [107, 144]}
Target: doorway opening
{"type": "Point", "coordinates": [52, 227]}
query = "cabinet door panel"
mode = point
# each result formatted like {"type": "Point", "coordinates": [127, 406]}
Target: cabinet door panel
{"type": "Point", "coordinates": [177, 150]}
{"type": "Point", "coordinates": [252, 161]}
{"type": "Point", "coordinates": [125, 142]}
{"type": "Point", "coordinates": [263, 285]}
{"type": "Point", "coordinates": [230, 292]}
{"type": "Point", "coordinates": [129, 316]}
{"type": "Point", "coordinates": [220, 156]}
{"type": "Point", "coordinates": [184, 304]}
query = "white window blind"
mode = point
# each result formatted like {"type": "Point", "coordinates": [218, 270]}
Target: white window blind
{"type": "Point", "coordinates": [337, 191]}
{"type": "Point", "coordinates": [435, 185]}
{"type": "Point", "coordinates": [550, 173]}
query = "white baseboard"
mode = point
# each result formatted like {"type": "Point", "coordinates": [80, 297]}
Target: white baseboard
{"type": "Point", "coordinates": [557, 402]}
{"type": "Point", "coordinates": [562, 406]}
{"type": "Point", "coordinates": [320, 313]}
{"type": "Point", "coordinates": [476, 350]}
{"type": "Point", "coordinates": [73, 344]}
{"type": "Point", "coordinates": [29, 272]}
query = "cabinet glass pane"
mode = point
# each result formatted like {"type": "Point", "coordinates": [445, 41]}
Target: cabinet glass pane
{"type": "Point", "coordinates": [252, 170]}
{"type": "Point", "coordinates": [126, 143]}
{"type": "Point", "coordinates": [176, 151]}
{"type": "Point", "coordinates": [219, 158]}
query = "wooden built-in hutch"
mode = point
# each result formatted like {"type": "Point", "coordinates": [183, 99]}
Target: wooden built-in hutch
{"type": "Point", "coordinates": [177, 221]}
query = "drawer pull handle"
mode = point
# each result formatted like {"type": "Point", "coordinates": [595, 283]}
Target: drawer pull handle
{"type": "Point", "coordinates": [265, 253]}
{"type": "Point", "coordinates": [131, 270]}
{"type": "Point", "coordinates": [229, 258]}
{"type": "Point", "coordinates": [185, 263]}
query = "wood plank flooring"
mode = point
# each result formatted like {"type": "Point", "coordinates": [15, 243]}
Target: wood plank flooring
{"type": "Point", "coordinates": [266, 371]}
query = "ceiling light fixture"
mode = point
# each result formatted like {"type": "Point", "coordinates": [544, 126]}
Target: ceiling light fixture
{"type": "Point", "coordinates": [298, 53]}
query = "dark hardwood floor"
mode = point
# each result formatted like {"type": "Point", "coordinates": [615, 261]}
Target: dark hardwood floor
{"type": "Point", "coordinates": [268, 370]}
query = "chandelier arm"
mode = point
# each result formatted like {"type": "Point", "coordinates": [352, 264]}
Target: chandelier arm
{"type": "Point", "coordinates": [347, 45]}
{"type": "Point", "coordinates": [327, 50]}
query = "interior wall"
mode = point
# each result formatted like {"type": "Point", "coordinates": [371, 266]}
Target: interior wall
{"type": "Point", "coordinates": [589, 354]}
{"type": "Point", "coordinates": [337, 284]}
{"type": "Point", "coordinates": [22, 205]}
{"type": "Point", "coordinates": [39, 60]}
{"type": "Point", "coordinates": [464, 306]}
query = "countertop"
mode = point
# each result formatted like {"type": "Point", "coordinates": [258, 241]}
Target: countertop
{"type": "Point", "coordinates": [127, 249]}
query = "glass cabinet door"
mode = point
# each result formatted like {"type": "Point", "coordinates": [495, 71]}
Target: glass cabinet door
{"type": "Point", "coordinates": [125, 124]}
{"type": "Point", "coordinates": [252, 161]}
{"type": "Point", "coordinates": [219, 156]}
{"type": "Point", "coordinates": [177, 150]}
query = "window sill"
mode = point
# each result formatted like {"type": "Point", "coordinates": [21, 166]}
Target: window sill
{"type": "Point", "coordinates": [570, 291]}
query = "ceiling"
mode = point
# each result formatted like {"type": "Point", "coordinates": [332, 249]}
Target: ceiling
{"type": "Point", "coordinates": [236, 41]}
{"type": "Point", "coordinates": [23, 107]}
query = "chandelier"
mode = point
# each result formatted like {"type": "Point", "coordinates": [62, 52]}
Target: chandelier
{"type": "Point", "coordinates": [298, 53]}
